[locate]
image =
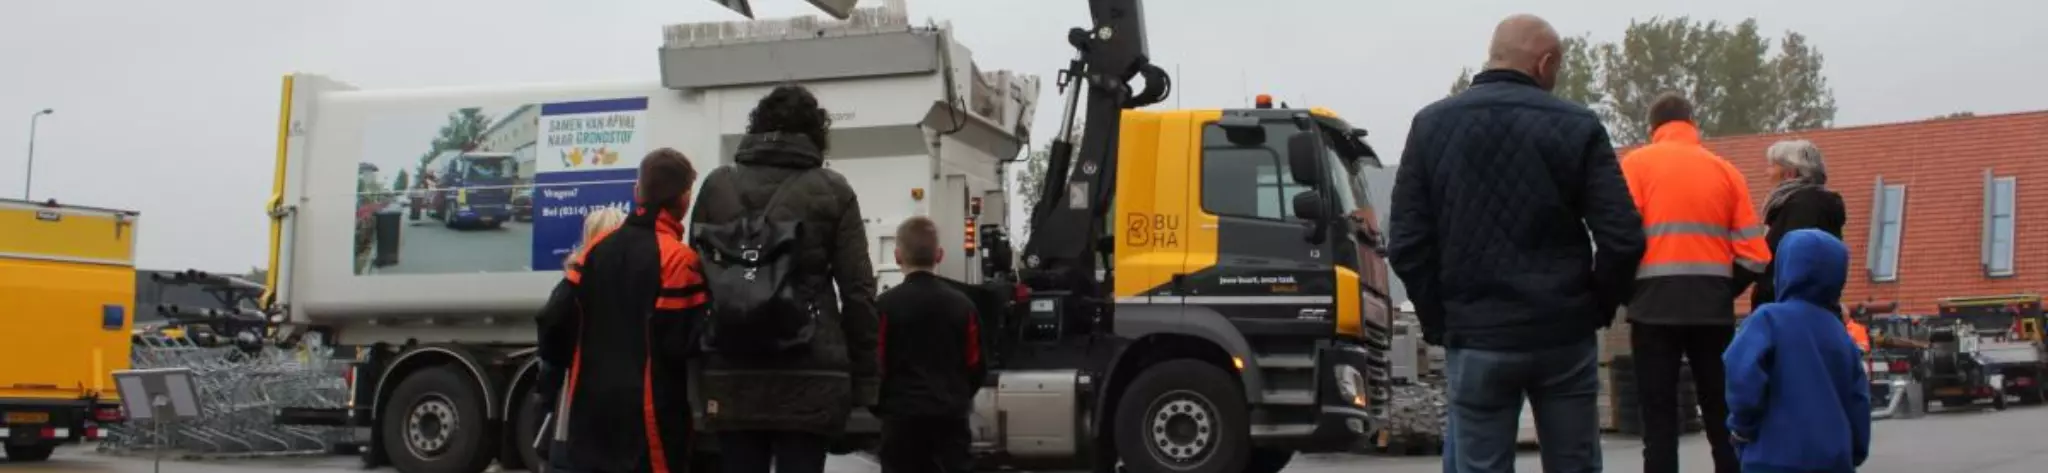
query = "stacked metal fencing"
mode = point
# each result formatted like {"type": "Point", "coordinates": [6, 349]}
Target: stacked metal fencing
{"type": "Point", "coordinates": [240, 390]}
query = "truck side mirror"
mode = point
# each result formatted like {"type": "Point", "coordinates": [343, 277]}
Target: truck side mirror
{"type": "Point", "coordinates": [1308, 206]}
{"type": "Point", "coordinates": [1302, 151]}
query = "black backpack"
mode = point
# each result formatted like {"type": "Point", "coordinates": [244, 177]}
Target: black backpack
{"type": "Point", "coordinates": [749, 270]}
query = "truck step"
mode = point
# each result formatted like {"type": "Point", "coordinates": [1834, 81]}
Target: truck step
{"type": "Point", "coordinates": [312, 416]}
{"type": "Point", "coordinates": [1287, 362]}
{"type": "Point", "coordinates": [1282, 430]}
{"type": "Point", "coordinates": [1291, 397]}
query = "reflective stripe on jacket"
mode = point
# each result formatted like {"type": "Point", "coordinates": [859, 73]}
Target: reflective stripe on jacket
{"type": "Point", "coordinates": [1705, 242]}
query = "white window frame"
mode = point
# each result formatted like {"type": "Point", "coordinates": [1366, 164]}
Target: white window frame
{"type": "Point", "coordinates": [1995, 264]}
{"type": "Point", "coordinates": [1883, 259]}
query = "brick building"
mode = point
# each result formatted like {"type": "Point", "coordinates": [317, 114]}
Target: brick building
{"type": "Point", "coordinates": [1964, 209]}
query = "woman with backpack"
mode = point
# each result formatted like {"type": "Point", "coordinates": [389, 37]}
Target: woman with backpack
{"type": "Point", "coordinates": [787, 358]}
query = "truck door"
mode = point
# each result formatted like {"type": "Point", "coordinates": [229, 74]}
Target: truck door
{"type": "Point", "coordinates": [1266, 275]}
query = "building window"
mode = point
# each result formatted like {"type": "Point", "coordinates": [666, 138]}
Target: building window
{"type": "Point", "coordinates": [1999, 193]}
{"type": "Point", "coordinates": [1888, 218]}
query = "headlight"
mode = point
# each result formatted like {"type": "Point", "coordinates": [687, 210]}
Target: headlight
{"type": "Point", "coordinates": [1351, 384]}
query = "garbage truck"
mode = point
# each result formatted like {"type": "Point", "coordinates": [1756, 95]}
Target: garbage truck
{"type": "Point", "coordinates": [470, 189]}
{"type": "Point", "coordinates": [444, 326]}
{"type": "Point", "coordinates": [1204, 290]}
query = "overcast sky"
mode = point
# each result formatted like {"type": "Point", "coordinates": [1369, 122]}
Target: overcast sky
{"type": "Point", "coordinates": [170, 107]}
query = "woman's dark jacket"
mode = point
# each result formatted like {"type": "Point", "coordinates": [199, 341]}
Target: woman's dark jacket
{"type": "Point", "coordinates": [1816, 208]}
{"type": "Point", "coordinates": [814, 389]}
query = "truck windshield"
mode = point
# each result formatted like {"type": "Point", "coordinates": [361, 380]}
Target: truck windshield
{"type": "Point", "coordinates": [486, 169]}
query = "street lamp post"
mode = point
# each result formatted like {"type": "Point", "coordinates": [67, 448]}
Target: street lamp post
{"type": "Point", "coordinates": [29, 178]}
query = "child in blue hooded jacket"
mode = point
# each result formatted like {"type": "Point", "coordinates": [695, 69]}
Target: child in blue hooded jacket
{"type": "Point", "coordinates": [1798, 399]}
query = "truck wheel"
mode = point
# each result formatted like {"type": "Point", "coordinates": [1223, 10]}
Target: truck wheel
{"type": "Point", "coordinates": [526, 427]}
{"type": "Point", "coordinates": [29, 453]}
{"type": "Point", "coordinates": [1183, 416]}
{"type": "Point", "coordinates": [435, 423]}
{"type": "Point", "coordinates": [1268, 460]}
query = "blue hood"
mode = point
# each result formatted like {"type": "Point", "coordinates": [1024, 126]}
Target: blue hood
{"type": "Point", "coordinates": [1812, 266]}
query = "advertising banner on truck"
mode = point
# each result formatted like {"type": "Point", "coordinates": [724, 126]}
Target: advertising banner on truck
{"type": "Point", "coordinates": [589, 157]}
{"type": "Point", "coordinates": [491, 189]}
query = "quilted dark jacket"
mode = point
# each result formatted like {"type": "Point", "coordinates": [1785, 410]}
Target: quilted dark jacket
{"type": "Point", "coordinates": [814, 390]}
{"type": "Point", "coordinates": [1493, 202]}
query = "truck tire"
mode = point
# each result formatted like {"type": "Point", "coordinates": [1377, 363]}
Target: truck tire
{"type": "Point", "coordinates": [29, 453]}
{"type": "Point", "coordinates": [525, 428]}
{"type": "Point", "coordinates": [1268, 460]}
{"type": "Point", "coordinates": [435, 423]}
{"type": "Point", "coordinates": [1183, 416]}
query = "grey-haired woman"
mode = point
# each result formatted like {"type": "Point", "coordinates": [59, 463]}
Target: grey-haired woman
{"type": "Point", "coordinates": [1800, 200]}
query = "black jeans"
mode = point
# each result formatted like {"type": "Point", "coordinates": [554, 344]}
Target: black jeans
{"type": "Point", "coordinates": [926, 445]}
{"type": "Point", "coordinates": [1658, 349]}
{"type": "Point", "coordinates": [1487, 389]}
{"type": "Point", "coordinates": [756, 451]}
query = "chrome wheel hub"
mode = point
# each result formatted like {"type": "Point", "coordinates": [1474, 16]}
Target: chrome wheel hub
{"type": "Point", "coordinates": [431, 426]}
{"type": "Point", "coordinates": [1182, 427]}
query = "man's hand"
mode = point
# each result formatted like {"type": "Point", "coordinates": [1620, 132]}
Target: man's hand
{"type": "Point", "coordinates": [1433, 337]}
{"type": "Point", "coordinates": [1737, 438]}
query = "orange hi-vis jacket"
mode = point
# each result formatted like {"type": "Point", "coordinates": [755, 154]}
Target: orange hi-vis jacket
{"type": "Point", "coordinates": [1700, 227]}
{"type": "Point", "coordinates": [1859, 333]}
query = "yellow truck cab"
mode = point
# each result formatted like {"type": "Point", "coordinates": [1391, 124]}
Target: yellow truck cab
{"type": "Point", "coordinates": [1246, 284]}
{"type": "Point", "coordinates": [67, 290]}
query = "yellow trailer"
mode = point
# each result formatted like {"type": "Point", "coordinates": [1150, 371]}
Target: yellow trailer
{"type": "Point", "coordinates": [67, 290]}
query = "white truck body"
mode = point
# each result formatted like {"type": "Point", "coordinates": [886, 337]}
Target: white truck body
{"type": "Point", "coordinates": [918, 130]}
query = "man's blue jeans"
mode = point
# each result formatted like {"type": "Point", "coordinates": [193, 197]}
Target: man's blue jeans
{"type": "Point", "coordinates": [1487, 388]}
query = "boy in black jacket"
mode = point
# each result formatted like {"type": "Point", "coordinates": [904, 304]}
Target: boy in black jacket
{"type": "Point", "coordinates": [928, 382]}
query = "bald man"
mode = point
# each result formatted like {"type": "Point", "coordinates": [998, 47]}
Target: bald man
{"type": "Point", "coordinates": [1503, 193]}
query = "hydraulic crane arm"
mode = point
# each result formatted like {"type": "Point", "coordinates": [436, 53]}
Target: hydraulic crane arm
{"type": "Point", "coordinates": [1068, 225]}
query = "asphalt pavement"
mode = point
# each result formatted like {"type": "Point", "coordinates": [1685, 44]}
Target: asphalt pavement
{"type": "Point", "coordinates": [427, 246]}
{"type": "Point", "coordinates": [2013, 441]}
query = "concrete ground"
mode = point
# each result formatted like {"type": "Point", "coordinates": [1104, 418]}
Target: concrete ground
{"type": "Point", "coordinates": [2013, 441]}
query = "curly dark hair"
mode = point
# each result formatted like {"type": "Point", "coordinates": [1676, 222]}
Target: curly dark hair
{"type": "Point", "coordinates": [791, 109]}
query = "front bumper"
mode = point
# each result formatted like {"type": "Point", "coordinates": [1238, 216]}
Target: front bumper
{"type": "Point", "coordinates": [1350, 402]}
{"type": "Point", "coordinates": [486, 214]}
